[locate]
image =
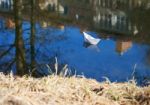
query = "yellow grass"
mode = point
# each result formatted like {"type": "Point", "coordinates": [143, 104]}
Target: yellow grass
{"type": "Point", "coordinates": [56, 90]}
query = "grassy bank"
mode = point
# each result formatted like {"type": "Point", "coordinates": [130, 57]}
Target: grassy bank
{"type": "Point", "coordinates": [55, 90]}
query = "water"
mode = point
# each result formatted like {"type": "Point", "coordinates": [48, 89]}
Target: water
{"type": "Point", "coordinates": [123, 52]}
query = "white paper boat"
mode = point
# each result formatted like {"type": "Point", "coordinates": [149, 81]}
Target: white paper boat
{"type": "Point", "coordinates": [91, 40]}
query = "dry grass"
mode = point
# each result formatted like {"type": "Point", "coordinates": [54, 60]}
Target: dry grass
{"type": "Point", "coordinates": [56, 90]}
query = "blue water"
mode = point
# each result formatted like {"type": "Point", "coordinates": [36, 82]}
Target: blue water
{"type": "Point", "coordinates": [101, 60]}
{"type": "Point", "coordinates": [92, 61]}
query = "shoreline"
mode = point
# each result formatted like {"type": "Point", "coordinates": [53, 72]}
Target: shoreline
{"type": "Point", "coordinates": [56, 90]}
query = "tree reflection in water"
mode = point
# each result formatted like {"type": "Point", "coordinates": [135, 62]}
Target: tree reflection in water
{"type": "Point", "coordinates": [44, 35]}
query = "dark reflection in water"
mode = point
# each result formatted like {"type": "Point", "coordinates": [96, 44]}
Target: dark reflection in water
{"type": "Point", "coordinates": [123, 26]}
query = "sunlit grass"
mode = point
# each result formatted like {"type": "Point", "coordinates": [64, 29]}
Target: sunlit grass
{"type": "Point", "coordinates": [60, 90]}
{"type": "Point", "coordinates": [63, 71]}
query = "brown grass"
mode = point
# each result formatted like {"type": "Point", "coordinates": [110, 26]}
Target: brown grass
{"type": "Point", "coordinates": [56, 90]}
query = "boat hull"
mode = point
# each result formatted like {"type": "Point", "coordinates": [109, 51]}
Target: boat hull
{"type": "Point", "coordinates": [89, 39]}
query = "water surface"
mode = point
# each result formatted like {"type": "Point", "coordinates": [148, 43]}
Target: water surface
{"type": "Point", "coordinates": [122, 26]}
